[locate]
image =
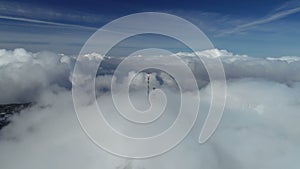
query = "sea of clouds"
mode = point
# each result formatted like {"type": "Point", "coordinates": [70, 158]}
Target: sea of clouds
{"type": "Point", "coordinates": [260, 127]}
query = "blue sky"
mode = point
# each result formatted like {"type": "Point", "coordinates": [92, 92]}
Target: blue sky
{"type": "Point", "coordinates": [257, 28]}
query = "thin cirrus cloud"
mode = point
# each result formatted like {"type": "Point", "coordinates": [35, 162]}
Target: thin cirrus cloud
{"type": "Point", "coordinates": [284, 11]}
{"type": "Point", "coordinates": [44, 15]}
{"type": "Point", "coordinates": [45, 22]}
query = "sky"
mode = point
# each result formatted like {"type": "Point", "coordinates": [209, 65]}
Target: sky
{"type": "Point", "coordinates": [267, 28]}
{"type": "Point", "coordinates": [256, 42]}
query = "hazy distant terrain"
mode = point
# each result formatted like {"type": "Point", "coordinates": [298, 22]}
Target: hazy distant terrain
{"type": "Point", "coordinates": [8, 110]}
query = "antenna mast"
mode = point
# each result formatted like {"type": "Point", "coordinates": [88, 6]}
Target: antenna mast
{"type": "Point", "coordinates": [148, 84]}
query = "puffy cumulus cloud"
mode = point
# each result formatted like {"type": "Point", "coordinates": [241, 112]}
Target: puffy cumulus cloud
{"type": "Point", "coordinates": [258, 130]}
{"type": "Point", "coordinates": [24, 74]}
{"type": "Point", "coordinates": [211, 53]}
{"type": "Point", "coordinates": [280, 69]}
{"type": "Point", "coordinates": [139, 80]}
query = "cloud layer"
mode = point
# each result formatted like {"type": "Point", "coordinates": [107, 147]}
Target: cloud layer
{"type": "Point", "coordinates": [259, 129]}
{"type": "Point", "coordinates": [24, 74]}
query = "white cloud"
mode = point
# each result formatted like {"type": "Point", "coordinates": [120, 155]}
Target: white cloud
{"type": "Point", "coordinates": [259, 129]}
{"type": "Point", "coordinates": [24, 74]}
{"type": "Point", "coordinates": [281, 69]}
